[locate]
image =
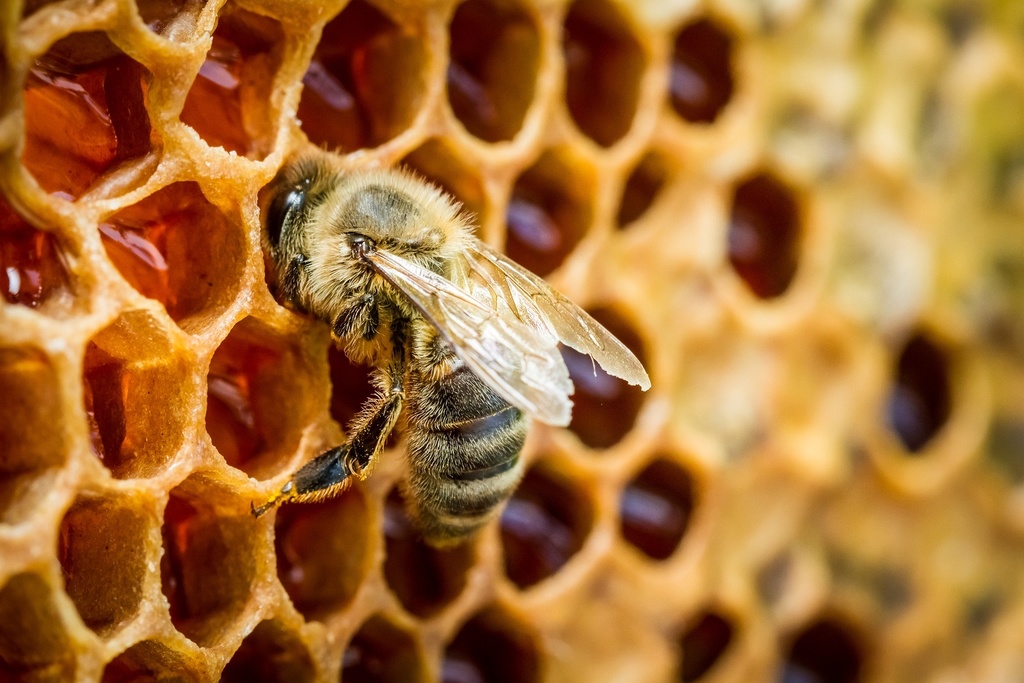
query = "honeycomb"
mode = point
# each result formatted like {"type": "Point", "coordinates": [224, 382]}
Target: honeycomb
{"type": "Point", "coordinates": [803, 215]}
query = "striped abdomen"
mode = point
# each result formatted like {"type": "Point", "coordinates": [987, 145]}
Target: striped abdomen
{"type": "Point", "coordinates": [464, 445]}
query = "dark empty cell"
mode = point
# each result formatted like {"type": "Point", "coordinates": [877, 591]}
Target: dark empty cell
{"type": "Point", "coordinates": [495, 49]}
{"type": "Point", "coordinates": [701, 81]}
{"type": "Point", "coordinates": [604, 407]}
{"type": "Point", "coordinates": [132, 393]}
{"type": "Point", "coordinates": [207, 567]}
{"type": "Point", "coordinates": [824, 652]}
{"type": "Point", "coordinates": [85, 111]}
{"type": "Point", "coordinates": [323, 551]}
{"type": "Point", "coordinates": [270, 654]}
{"type": "Point", "coordinates": [656, 508]}
{"type": "Point", "coordinates": [548, 213]}
{"type": "Point", "coordinates": [544, 524]}
{"type": "Point", "coordinates": [32, 432]}
{"type": "Point", "coordinates": [642, 188]}
{"type": "Point", "coordinates": [703, 645]}
{"type": "Point", "coordinates": [492, 647]}
{"type": "Point", "coordinates": [33, 643]}
{"type": "Point", "coordinates": [148, 661]}
{"type": "Point", "coordinates": [436, 162]}
{"type": "Point", "coordinates": [764, 235]}
{"type": "Point", "coordinates": [350, 386]}
{"type": "Point", "coordinates": [228, 104]}
{"type": "Point", "coordinates": [381, 652]}
{"type": "Point", "coordinates": [919, 398]}
{"type": "Point", "coordinates": [32, 268]}
{"type": "Point", "coordinates": [440, 574]}
{"type": "Point", "coordinates": [179, 249]}
{"type": "Point", "coordinates": [364, 83]}
{"type": "Point", "coordinates": [604, 65]}
{"type": "Point", "coordinates": [101, 552]}
{"type": "Point", "coordinates": [254, 401]}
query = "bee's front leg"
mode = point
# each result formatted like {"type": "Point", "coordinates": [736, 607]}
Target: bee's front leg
{"type": "Point", "coordinates": [328, 473]}
{"type": "Point", "coordinates": [362, 318]}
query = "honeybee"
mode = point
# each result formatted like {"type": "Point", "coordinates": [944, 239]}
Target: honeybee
{"type": "Point", "coordinates": [463, 341]}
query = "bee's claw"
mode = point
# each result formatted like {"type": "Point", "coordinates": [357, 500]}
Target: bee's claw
{"type": "Point", "coordinates": [286, 492]}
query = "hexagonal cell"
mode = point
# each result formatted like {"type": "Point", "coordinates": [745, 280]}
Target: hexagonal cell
{"type": "Point", "coordinates": [764, 234]}
{"type": "Point", "coordinates": [919, 401]}
{"type": "Point", "coordinates": [548, 213]}
{"type": "Point", "coordinates": [34, 645]}
{"type": "Point", "coordinates": [604, 64]}
{"type": "Point", "coordinates": [495, 53]}
{"type": "Point", "coordinates": [350, 385]}
{"type": "Point", "coordinates": [383, 652]}
{"type": "Point", "coordinates": [229, 102]}
{"type": "Point", "coordinates": [209, 562]}
{"type": "Point", "coordinates": [494, 646]}
{"type": "Point", "coordinates": [440, 573]}
{"type": "Point", "coordinates": [32, 433]}
{"type": "Point", "coordinates": [365, 82]}
{"type": "Point", "coordinates": [704, 644]}
{"type": "Point", "coordinates": [102, 555]}
{"type": "Point", "coordinates": [32, 267]}
{"type": "Point", "coordinates": [136, 396]}
{"type": "Point", "coordinates": [642, 188]}
{"type": "Point", "coordinates": [255, 412]}
{"type": "Point", "coordinates": [656, 507]}
{"type": "Point", "coordinates": [438, 163]}
{"type": "Point", "coordinates": [824, 651]}
{"type": "Point", "coordinates": [323, 551]}
{"type": "Point", "coordinates": [604, 407]}
{"type": "Point", "coordinates": [85, 104]}
{"type": "Point", "coordinates": [178, 248]}
{"type": "Point", "coordinates": [149, 661]}
{"type": "Point", "coordinates": [701, 81]}
{"type": "Point", "coordinates": [546, 522]}
{"type": "Point", "coordinates": [270, 654]}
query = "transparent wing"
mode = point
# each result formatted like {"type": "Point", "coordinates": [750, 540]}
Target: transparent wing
{"type": "Point", "coordinates": [537, 305]}
{"type": "Point", "coordinates": [519, 362]}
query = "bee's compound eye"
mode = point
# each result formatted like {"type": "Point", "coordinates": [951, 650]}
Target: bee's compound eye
{"type": "Point", "coordinates": [284, 203]}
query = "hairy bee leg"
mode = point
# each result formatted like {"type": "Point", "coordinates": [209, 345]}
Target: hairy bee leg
{"type": "Point", "coordinates": [362, 317]}
{"type": "Point", "coordinates": [292, 280]}
{"type": "Point", "coordinates": [326, 474]}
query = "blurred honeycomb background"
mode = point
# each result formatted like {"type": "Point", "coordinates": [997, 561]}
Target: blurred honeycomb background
{"type": "Point", "coordinates": [805, 216]}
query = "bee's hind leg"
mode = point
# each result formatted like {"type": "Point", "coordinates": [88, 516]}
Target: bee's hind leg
{"type": "Point", "coordinates": [326, 474]}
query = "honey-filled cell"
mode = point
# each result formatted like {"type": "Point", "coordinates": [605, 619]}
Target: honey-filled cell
{"type": "Point", "coordinates": [548, 213]}
{"type": "Point", "coordinates": [604, 64]}
{"type": "Point", "coordinates": [764, 235]}
{"type": "Point", "coordinates": [704, 643]}
{"type": "Point", "coordinates": [494, 56]}
{"type": "Point", "coordinates": [270, 654]}
{"type": "Point", "coordinates": [824, 651]}
{"type": "Point", "coordinates": [494, 646]}
{"type": "Point", "coordinates": [33, 269]}
{"type": "Point", "coordinates": [323, 551]}
{"type": "Point", "coordinates": [229, 102]}
{"type": "Point", "coordinates": [655, 509]}
{"type": "Point", "coordinates": [364, 84]}
{"type": "Point", "coordinates": [33, 445]}
{"type": "Point", "coordinates": [545, 523]}
{"type": "Point", "coordinates": [440, 573]}
{"type": "Point", "coordinates": [176, 247]}
{"type": "Point", "coordinates": [132, 392]}
{"type": "Point", "coordinates": [85, 112]}
{"type": "Point", "coordinates": [642, 188]}
{"type": "Point", "coordinates": [34, 643]}
{"type": "Point", "coordinates": [920, 400]}
{"type": "Point", "coordinates": [701, 80]}
{"type": "Point", "coordinates": [604, 407]}
{"type": "Point", "coordinates": [437, 162]}
{"type": "Point", "coordinates": [255, 407]}
{"type": "Point", "coordinates": [383, 652]}
{"type": "Point", "coordinates": [208, 564]}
